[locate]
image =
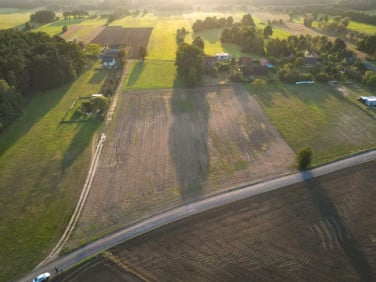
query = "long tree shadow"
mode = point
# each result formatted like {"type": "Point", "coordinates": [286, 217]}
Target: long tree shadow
{"type": "Point", "coordinates": [348, 242]}
{"type": "Point", "coordinates": [38, 107]}
{"type": "Point", "coordinates": [188, 140]}
{"type": "Point", "coordinates": [81, 140]}
{"type": "Point", "coordinates": [135, 74]}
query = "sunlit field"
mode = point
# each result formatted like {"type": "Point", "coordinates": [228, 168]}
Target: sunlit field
{"type": "Point", "coordinates": [361, 27]}
{"type": "Point", "coordinates": [43, 165]}
{"type": "Point", "coordinates": [319, 117]}
{"type": "Point", "coordinates": [13, 17]}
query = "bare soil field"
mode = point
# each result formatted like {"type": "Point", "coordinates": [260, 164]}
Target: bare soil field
{"type": "Point", "coordinates": [323, 229]}
{"type": "Point", "coordinates": [117, 35]}
{"type": "Point", "coordinates": [82, 33]}
{"type": "Point", "coordinates": [171, 146]}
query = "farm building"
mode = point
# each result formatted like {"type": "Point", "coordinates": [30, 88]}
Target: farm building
{"type": "Point", "coordinates": [310, 59]}
{"type": "Point", "coordinates": [369, 101]}
{"type": "Point", "coordinates": [108, 61]}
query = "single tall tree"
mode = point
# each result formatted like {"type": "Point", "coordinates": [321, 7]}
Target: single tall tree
{"type": "Point", "coordinates": [189, 63]}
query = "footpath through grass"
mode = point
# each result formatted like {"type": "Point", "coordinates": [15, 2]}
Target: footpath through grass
{"type": "Point", "coordinates": [43, 165]}
{"type": "Point", "coordinates": [319, 117]}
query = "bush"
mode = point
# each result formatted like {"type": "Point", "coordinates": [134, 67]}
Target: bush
{"type": "Point", "coordinates": [304, 158]}
{"type": "Point", "coordinates": [258, 82]}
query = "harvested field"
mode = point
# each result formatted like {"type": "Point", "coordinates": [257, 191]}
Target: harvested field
{"type": "Point", "coordinates": [117, 35]}
{"type": "Point", "coordinates": [175, 145]}
{"type": "Point", "coordinates": [320, 230]}
{"type": "Point", "coordinates": [82, 33]}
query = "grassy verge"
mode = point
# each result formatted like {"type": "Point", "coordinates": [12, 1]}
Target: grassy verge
{"type": "Point", "coordinates": [318, 117]}
{"type": "Point", "coordinates": [152, 75]}
{"type": "Point", "coordinates": [43, 166]}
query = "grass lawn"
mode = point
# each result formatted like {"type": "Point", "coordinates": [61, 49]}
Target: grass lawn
{"type": "Point", "coordinates": [280, 33]}
{"type": "Point", "coordinates": [352, 93]}
{"type": "Point", "coordinates": [13, 17]}
{"type": "Point", "coordinates": [213, 45]}
{"type": "Point", "coordinates": [43, 166]}
{"type": "Point", "coordinates": [361, 27]}
{"type": "Point", "coordinates": [152, 75]}
{"type": "Point", "coordinates": [55, 28]}
{"type": "Point", "coordinates": [318, 117]}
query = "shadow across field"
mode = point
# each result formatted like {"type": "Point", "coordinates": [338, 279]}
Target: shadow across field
{"type": "Point", "coordinates": [135, 74]}
{"type": "Point", "coordinates": [347, 240]}
{"type": "Point", "coordinates": [188, 140]}
{"type": "Point", "coordinates": [38, 107]}
{"type": "Point", "coordinates": [80, 142]}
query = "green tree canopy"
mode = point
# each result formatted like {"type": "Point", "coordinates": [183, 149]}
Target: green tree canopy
{"type": "Point", "coordinates": [304, 158]}
{"type": "Point", "coordinates": [199, 42]}
{"type": "Point", "coordinates": [189, 63]}
{"type": "Point", "coordinates": [44, 16]}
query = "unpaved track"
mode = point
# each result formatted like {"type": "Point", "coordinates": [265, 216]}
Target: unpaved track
{"type": "Point", "coordinates": [89, 179]}
{"type": "Point", "coordinates": [187, 210]}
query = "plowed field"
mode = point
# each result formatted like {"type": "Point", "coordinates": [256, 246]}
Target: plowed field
{"type": "Point", "coordinates": [117, 35]}
{"type": "Point", "coordinates": [320, 230]}
{"type": "Point", "coordinates": [171, 146]}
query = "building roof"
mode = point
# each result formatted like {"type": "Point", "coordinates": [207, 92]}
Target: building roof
{"type": "Point", "coordinates": [311, 60]}
{"type": "Point", "coordinates": [245, 60]}
{"type": "Point", "coordinates": [107, 58]}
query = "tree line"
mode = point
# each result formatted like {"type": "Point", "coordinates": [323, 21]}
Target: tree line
{"type": "Point", "coordinates": [31, 62]}
{"type": "Point", "coordinates": [212, 22]}
{"type": "Point", "coordinates": [75, 14]}
{"type": "Point", "coordinates": [43, 16]}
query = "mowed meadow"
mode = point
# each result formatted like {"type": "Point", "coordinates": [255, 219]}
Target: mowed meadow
{"type": "Point", "coordinates": [43, 166]}
{"type": "Point", "coordinates": [319, 117]}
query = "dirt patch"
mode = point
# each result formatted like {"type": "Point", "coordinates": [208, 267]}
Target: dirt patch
{"type": "Point", "coordinates": [172, 146]}
{"type": "Point", "coordinates": [82, 33]}
{"type": "Point", "coordinates": [320, 230]}
{"type": "Point", "coordinates": [132, 37]}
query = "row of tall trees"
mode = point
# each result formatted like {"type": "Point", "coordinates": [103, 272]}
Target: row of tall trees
{"type": "Point", "coordinates": [32, 62]}
{"type": "Point", "coordinates": [43, 16]}
{"type": "Point", "coordinates": [75, 14]}
{"type": "Point", "coordinates": [212, 22]}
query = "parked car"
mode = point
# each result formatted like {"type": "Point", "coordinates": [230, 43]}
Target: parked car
{"type": "Point", "coordinates": [42, 277]}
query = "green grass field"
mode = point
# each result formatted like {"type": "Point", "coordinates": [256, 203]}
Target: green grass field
{"type": "Point", "coordinates": [361, 27]}
{"type": "Point", "coordinates": [10, 18]}
{"type": "Point", "coordinates": [352, 93]}
{"type": "Point", "coordinates": [152, 75]}
{"type": "Point", "coordinates": [162, 43]}
{"type": "Point", "coordinates": [55, 28]}
{"type": "Point", "coordinates": [318, 117]}
{"type": "Point", "coordinates": [43, 166]}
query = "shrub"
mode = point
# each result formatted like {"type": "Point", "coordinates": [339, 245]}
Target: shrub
{"type": "Point", "coordinates": [304, 158]}
{"type": "Point", "coordinates": [258, 82]}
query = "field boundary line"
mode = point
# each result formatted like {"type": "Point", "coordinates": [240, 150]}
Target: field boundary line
{"type": "Point", "coordinates": [89, 179]}
{"type": "Point", "coordinates": [76, 214]}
